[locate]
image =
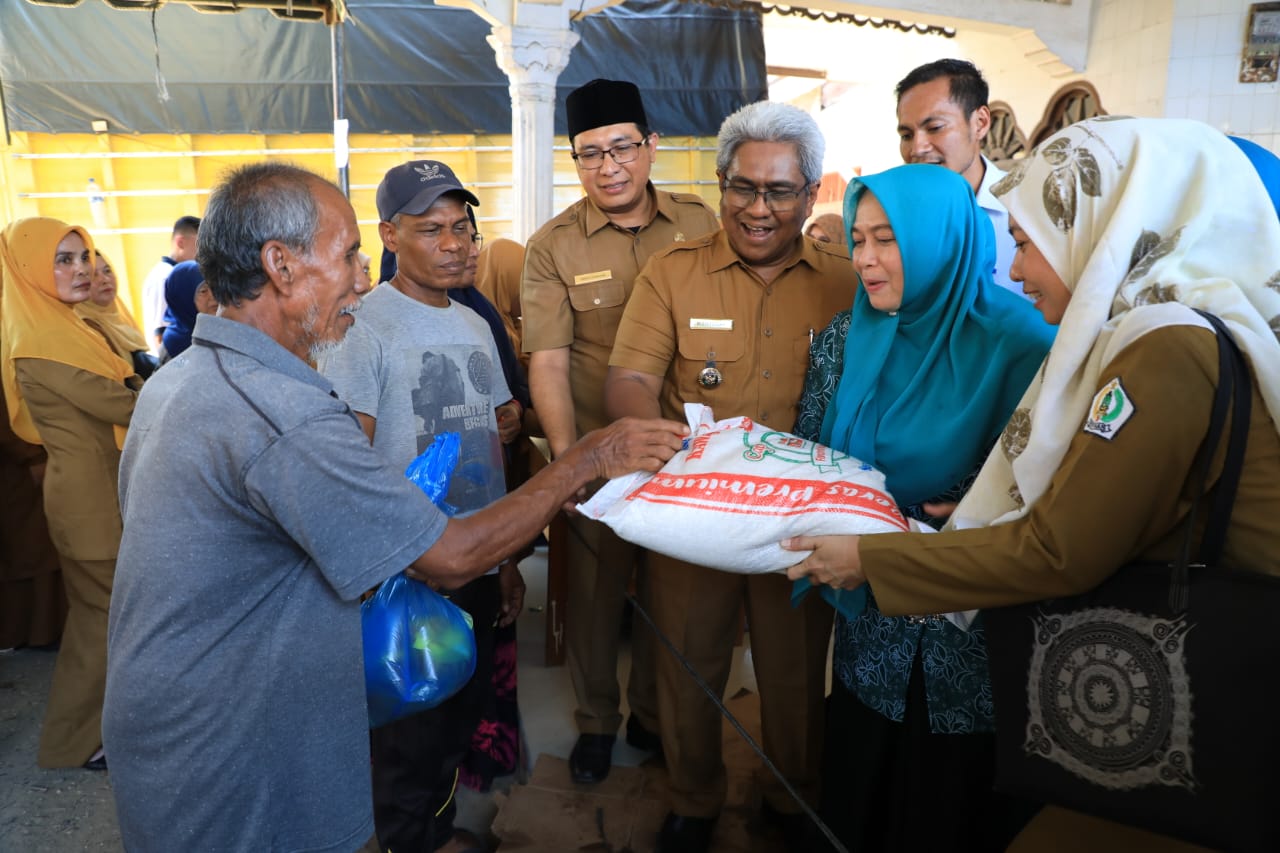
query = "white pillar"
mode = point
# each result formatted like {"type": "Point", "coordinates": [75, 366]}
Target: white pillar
{"type": "Point", "coordinates": [532, 58]}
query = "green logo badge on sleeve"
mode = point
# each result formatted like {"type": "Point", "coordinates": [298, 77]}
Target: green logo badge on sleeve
{"type": "Point", "coordinates": [1111, 410]}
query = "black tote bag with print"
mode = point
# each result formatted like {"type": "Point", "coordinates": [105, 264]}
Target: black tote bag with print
{"type": "Point", "coordinates": [1153, 699]}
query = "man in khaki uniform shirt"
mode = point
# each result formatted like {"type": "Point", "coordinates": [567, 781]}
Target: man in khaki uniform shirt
{"type": "Point", "coordinates": [727, 320]}
{"type": "Point", "coordinates": [578, 272]}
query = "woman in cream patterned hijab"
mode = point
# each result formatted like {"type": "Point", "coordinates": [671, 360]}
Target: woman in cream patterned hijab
{"type": "Point", "coordinates": [1123, 226]}
{"type": "Point", "coordinates": [1148, 219]}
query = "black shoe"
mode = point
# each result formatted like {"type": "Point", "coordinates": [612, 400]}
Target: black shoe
{"type": "Point", "coordinates": [99, 763]}
{"type": "Point", "coordinates": [639, 736]}
{"type": "Point", "coordinates": [680, 834]}
{"type": "Point", "coordinates": [797, 831]}
{"type": "Point", "coordinates": [591, 758]}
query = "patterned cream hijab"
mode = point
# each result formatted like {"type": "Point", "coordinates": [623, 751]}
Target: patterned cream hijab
{"type": "Point", "coordinates": [1144, 219]}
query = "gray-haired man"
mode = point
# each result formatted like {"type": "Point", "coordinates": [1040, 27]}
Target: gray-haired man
{"type": "Point", "coordinates": [235, 711]}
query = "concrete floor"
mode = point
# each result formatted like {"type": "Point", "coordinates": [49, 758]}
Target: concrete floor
{"type": "Point", "coordinates": [69, 811]}
{"type": "Point", "coordinates": [59, 811]}
{"type": "Point", "coordinates": [546, 696]}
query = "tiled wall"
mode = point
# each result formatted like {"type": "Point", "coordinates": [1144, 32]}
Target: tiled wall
{"type": "Point", "coordinates": [1128, 58]}
{"type": "Point", "coordinates": [1129, 54]}
{"type": "Point", "coordinates": [1146, 57]}
{"type": "Point", "coordinates": [1204, 69]}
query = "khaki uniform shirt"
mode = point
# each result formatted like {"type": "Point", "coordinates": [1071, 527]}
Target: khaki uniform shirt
{"type": "Point", "coordinates": [74, 411]}
{"type": "Point", "coordinates": [697, 303]}
{"type": "Point", "coordinates": [578, 274]}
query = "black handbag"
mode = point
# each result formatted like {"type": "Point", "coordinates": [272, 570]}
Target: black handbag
{"type": "Point", "coordinates": [1152, 699]}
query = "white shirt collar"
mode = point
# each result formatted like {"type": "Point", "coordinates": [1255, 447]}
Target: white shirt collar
{"type": "Point", "coordinates": [993, 173]}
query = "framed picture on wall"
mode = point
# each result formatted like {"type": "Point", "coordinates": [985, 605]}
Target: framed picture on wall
{"type": "Point", "coordinates": [1260, 62]}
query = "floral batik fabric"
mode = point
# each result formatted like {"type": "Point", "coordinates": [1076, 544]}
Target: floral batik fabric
{"type": "Point", "coordinates": [873, 653]}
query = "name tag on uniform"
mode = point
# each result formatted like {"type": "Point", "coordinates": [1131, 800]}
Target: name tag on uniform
{"type": "Point", "coordinates": [590, 277]}
{"type": "Point", "coordinates": [706, 323]}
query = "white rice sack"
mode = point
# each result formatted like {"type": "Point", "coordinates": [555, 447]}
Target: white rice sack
{"type": "Point", "coordinates": [737, 489]}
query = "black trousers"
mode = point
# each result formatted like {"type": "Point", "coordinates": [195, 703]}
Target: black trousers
{"type": "Point", "coordinates": [415, 760]}
{"type": "Point", "coordinates": [891, 786]}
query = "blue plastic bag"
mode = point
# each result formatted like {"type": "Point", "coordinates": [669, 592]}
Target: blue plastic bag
{"type": "Point", "coordinates": [432, 469]}
{"type": "Point", "coordinates": [419, 647]}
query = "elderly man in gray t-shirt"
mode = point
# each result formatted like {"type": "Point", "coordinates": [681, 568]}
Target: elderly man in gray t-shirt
{"type": "Point", "coordinates": [255, 514]}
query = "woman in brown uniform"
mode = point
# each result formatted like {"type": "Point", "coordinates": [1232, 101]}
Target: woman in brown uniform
{"type": "Point", "coordinates": [66, 389]}
{"type": "Point", "coordinates": [110, 317]}
{"type": "Point", "coordinates": [1121, 225]}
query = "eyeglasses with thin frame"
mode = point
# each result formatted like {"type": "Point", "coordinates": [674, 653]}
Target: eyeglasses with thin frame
{"type": "Point", "coordinates": [624, 152]}
{"type": "Point", "coordinates": [744, 195]}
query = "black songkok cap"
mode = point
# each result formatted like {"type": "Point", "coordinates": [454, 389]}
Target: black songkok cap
{"type": "Point", "coordinates": [604, 102]}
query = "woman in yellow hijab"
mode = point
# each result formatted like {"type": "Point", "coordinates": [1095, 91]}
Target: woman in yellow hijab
{"type": "Point", "coordinates": [105, 311]}
{"type": "Point", "coordinates": [66, 389]}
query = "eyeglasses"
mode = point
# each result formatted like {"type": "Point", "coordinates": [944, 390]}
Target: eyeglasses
{"type": "Point", "coordinates": [624, 153]}
{"type": "Point", "coordinates": [744, 195]}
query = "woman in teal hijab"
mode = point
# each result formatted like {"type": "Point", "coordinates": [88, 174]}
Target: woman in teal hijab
{"type": "Point", "coordinates": [937, 357]}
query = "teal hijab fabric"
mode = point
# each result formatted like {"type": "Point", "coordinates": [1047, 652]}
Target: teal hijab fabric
{"type": "Point", "coordinates": [925, 390]}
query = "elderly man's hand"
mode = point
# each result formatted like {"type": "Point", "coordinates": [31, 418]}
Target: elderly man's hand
{"type": "Point", "coordinates": [835, 560]}
{"type": "Point", "coordinates": [632, 444]}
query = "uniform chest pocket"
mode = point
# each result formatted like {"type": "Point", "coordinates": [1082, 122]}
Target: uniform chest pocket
{"type": "Point", "coordinates": [800, 356]}
{"type": "Point", "coordinates": [703, 345]}
{"type": "Point", "coordinates": [596, 295]}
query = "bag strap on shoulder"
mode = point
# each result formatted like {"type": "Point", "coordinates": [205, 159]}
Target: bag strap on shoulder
{"type": "Point", "coordinates": [1234, 391]}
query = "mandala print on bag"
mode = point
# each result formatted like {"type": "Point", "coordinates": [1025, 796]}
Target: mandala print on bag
{"type": "Point", "coordinates": [1109, 698]}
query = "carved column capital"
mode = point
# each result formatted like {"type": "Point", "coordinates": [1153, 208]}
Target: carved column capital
{"type": "Point", "coordinates": [532, 54]}
{"type": "Point", "coordinates": [532, 58]}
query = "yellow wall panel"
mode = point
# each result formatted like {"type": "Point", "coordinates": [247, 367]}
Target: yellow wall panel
{"type": "Point", "coordinates": [150, 180]}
